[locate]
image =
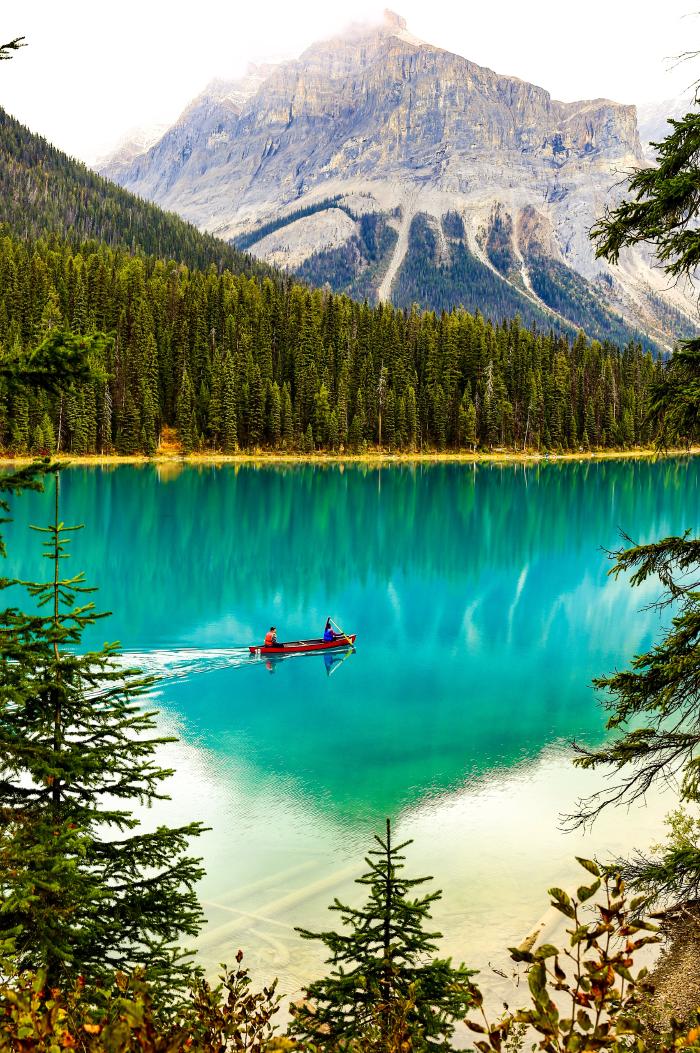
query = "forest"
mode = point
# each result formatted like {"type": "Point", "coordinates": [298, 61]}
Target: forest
{"type": "Point", "coordinates": [42, 191]}
{"type": "Point", "coordinates": [236, 362]}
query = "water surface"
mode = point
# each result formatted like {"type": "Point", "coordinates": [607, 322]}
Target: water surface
{"type": "Point", "coordinates": [483, 610]}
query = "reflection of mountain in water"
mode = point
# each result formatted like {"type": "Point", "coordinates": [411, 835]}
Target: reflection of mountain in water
{"type": "Point", "coordinates": [479, 595]}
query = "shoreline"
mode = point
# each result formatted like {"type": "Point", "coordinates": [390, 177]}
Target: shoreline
{"type": "Point", "coordinates": [372, 458]}
{"type": "Point", "coordinates": [676, 971]}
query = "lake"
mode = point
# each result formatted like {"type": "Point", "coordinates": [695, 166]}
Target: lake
{"type": "Point", "coordinates": [483, 609]}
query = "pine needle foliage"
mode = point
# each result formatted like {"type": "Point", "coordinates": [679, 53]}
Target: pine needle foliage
{"type": "Point", "coordinates": [662, 205]}
{"type": "Point", "coordinates": [60, 359]}
{"type": "Point", "coordinates": [661, 211]}
{"type": "Point", "coordinates": [83, 890]}
{"type": "Point", "coordinates": [7, 50]}
{"type": "Point", "coordinates": [654, 705]}
{"type": "Point", "coordinates": [385, 982]}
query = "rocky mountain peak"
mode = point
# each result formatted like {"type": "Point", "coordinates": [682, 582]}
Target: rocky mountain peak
{"type": "Point", "coordinates": [293, 158]}
{"type": "Point", "coordinates": [393, 20]}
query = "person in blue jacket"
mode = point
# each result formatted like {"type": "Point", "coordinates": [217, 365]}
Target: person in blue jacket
{"type": "Point", "coordinates": [328, 634]}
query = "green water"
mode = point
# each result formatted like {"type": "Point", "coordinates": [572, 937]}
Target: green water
{"type": "Point", "coordinates": [483, 610]}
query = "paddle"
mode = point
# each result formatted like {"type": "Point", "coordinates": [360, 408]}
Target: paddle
{"type": "Point", "coordinates": [343, 634]}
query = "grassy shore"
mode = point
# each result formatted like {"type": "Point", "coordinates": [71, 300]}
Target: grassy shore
{"type": "Point", "coordinates": [369, 457]}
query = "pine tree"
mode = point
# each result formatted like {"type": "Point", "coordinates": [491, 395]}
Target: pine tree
{"type": "Point", "coordinates": [467, 422]}
{"type": "Point", "coordinates": [333, 431]}
{"type": "Point", "coordinates": [411, 418]}
{"type": "Point", "coordinates": [85, 892]}
{"type": "Point", "coordinates": [384, 974]}
{"type": "Point", "coordinates": [37, 444]}
{"type": "Point", "coordinates": [19, 436]}
{"type": "Point", "coordinates": [185, 414]}
{"type": "Point", "coordinates": [287, 419]}
{"type": "Point", "coordinates": [129, 430]}
{"type": "Point", "coordinates": [322, 412]}
{"type": "Point", "coordinates": [149, 439]}
{"type": "Point", "coordinates": [229, 435]}
{"type": "Point", "coordinates": [48, 437]}
{"type": "Point", "coordinates": [256, 411]}
{"type": "Point", "coordinates": [275, 416]}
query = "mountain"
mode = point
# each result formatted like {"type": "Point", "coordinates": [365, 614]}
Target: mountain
{"type": "Point", "coordinates": [132, 144]}
{"type": "Point", "coordinates": [207, 356]}
{"type": "Point", "coordinates": [393, 169]}
{"type": "Point", "coordinates": [43, 191]}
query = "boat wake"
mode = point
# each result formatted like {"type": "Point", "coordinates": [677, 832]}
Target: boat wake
{"type": "Point", "coordinates": [182, 662]}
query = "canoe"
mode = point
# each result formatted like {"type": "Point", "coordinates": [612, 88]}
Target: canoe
{"type": "Point", "coordinates": [302, 646]}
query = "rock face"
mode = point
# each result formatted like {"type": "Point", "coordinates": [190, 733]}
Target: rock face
{"type": "Point", "coordinates": [387, 129]}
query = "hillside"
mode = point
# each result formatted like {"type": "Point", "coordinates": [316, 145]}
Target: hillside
{"type": "Point", "coordinates": [389, 168]}
{"type": "Point", "coordinates": [43, 191]}
{"type": "Point", "coordinates": [235, 363]}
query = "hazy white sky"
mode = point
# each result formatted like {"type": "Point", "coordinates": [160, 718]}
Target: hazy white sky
{"type": "Point", "coordinates": [95, 69]}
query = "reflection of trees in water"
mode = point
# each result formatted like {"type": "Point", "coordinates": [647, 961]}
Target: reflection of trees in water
{"type": "Point", "coordinates": [213, 539]}
{"type": "Point", "coordinates": [509, 554]}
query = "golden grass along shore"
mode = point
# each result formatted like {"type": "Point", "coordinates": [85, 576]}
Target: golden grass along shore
{"type": "Point", "coordinates": [369, 457]}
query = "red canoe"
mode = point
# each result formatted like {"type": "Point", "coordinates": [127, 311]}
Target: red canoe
{"type": "Point", "coordinates": [301, 646]}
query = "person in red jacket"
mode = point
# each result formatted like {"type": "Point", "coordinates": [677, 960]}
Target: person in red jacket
{"type": "Point", "coordinates": [271, 637]}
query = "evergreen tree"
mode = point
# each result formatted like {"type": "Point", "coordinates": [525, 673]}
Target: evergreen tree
{"type": "Point", "coordinates": [47, 433]}
{"type": "Point", "coordinates": [256, 411]}
{"type": "Point", "coordinates": [275, 416]}
{"type": "Point", "coordinates": [149, 439]}
{"type": "Point", "coordinates": [654, 705]}
{"type": "Point", "coordinates": [186, 423]}
{"type": "Point", "coordinates": [37, 444]}
{"type": "Point", "coordinates": [19, 435]}
{"type": "Point", "coordinates": [661, 210]}
{"type": "Point", "coordinates": [129, 430]}
{"type": "Point", "coordinates": [384, 974]}
{"type": "Point", "coordinates": [287, 419]}
{"type": "Point", "coordinates": [411, 418]}
{"type": "Point", "coordinates": [229, 435]}
{"type": "Point", "coordinates": [84, 892]}
{"type": "Point", "coordinates": [467, 422]}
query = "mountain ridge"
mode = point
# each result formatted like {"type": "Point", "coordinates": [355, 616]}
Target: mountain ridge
{"type": "Point", "coordinates": [387, 126]}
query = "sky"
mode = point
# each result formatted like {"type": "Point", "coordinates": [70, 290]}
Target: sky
{"type": "Point", "coordinates": [94, 70]}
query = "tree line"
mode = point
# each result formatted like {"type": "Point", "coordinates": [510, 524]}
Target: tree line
{"type": "Point", "coordinates": [238, 362]}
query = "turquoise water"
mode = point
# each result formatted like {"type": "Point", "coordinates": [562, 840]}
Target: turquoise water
{"type": "Point", "coordinates": [483, 610]}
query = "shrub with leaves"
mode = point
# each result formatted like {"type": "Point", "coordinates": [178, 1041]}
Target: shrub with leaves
{"type": "Point", "coordinates": [122, 1018]}
{"type": "Point", "coordinates": [586, 996]}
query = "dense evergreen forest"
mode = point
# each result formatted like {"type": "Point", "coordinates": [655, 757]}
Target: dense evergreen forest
{"type": "Point", "coordinates": [42, 190]}
{"type": "Point", "coordinates": [233, 361]}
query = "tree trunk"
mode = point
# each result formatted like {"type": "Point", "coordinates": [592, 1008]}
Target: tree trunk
{"type": "Point", "coordinates": [386, 983]}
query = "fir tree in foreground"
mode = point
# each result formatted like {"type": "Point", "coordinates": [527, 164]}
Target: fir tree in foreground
{"type": "Point", "coordinates": [654, 705]}
{"type": "Point", "coordinates": [386, 989]}
{"type": "Point", "coordinates": [82, 889]}
{"type": "Point", "coordinates": [654, 714]}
